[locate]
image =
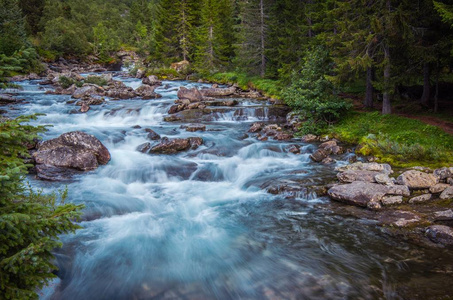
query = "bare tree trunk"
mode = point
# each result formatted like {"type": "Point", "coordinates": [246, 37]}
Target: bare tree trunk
{"type": "Point", "coordinates": [369, 88]}
{"type": "Point", "coordinates": [263, 57]}
{"type": "Point", "coordinates": [386, 105]}
{"type": "Point", "coordinates": [436, 95]}
{"type": "Point", "coordinates": [211, 48]}
{"type": "Point", "coordinates": [424, 100]}
{"type": "Point", "coordinates": [310, 23]}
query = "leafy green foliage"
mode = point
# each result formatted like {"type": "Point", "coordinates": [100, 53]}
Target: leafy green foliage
{"type": "Point", "coordinates": [313, 94]}
{"type": "Point", "coordinates": [98, 80]}
{"type": "Point", "coordinates": [30, 222]}
{"type": "Point", "coordinates": [398, 140]}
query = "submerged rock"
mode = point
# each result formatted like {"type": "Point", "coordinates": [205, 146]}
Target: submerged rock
{"type": "Point", "coordinates": [167, 146]}
{"type": "Point", "coordinates": [440, 234]}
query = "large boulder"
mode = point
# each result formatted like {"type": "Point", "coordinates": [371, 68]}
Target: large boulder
{"type": "Point", "coordinates": [193, 94]}
{"type": "Point", "coordinates": [359, 166]}
{"type": "Point", "coordinates": [218, 92]}
{"type": "Point", "coordinates": [77, 150]}
{"type": "Point", "coordinates": [365, 194]}
{"type": "Point", "coordinates": [417, 180]}
{"type": "Point", "coordinates": [167, 146]}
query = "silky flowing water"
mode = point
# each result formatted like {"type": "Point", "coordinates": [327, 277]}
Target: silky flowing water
{"type": "Point", "coordinates": [200, 224]}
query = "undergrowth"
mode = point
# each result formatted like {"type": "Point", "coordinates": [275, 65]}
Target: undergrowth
{"type": "Point", "coordinates": [396, 140]}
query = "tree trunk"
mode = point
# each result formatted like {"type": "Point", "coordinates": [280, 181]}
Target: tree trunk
{"type": "Point", "coordinates": [426, 85]}
{"type": "Point", "coordinates": [436, 95]}
{"type": "Point", "coordinates": [310, 23]}
{"type": "Point", "coordinates": [386, 105]}
{"type": "Point", "coordinates": [369, 88]}
{"type": "Point", "coordinates": [263, 57]}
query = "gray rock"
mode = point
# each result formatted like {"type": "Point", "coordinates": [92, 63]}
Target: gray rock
{"type": "Point", "coordinates": [218, 92]}
{"type": "Point", "coordinates": [383, 178]}
{"type": "Point", "coordinates": [446, 215]}
{"type": "Point", "coordinates": [400, 190]}
{"type": "Point", "coordinates": [147, 92]}
{"type": "Point", "coordinates": [295, 149]}
{"type": "Point", "coordinates": [152, 135]}
{"type": "Point", "coordinates": [421, 199]}
{"type": "Point", "coordinates": [351, 176]}
{"type": "Point", "coordinates": [438, 188]}
{"type": "Point", "coordinates": [440, 234]}
{"type": "Point", "coordinates": [328, 161]}
{"type": "Point", "coordinates": [358, 193]}
{"type": "Point", "coordinates": [391, 200]}
{"type": "Point", "coordinates": [417, 180]}
{"type": "Point", "coordinates": [73, 142]}
{"type": "Point", "coordinates": [447, 193]}
{"type": "Point", "coordinates": [151, 80]}
{"type": "Point", "coordinates": [193, 94]}
{"type": "Point", "coordinates": [398, 218]}
{"type": "Point", "coordinates": [256, 127]}
{"type": "Point", "coordinates": [87, 90]}
{"type": "Point", "coordinates": [173, 146]}
{"type": "Point", "coordinates": [85, 107]}
{"type": "Point", "coordinates": [194, 127]}
{"type": "Point", "coordinates": [319, 155]}
{"type": "Point", "coordinates": [443, 173]}
{"type": "Point", "coordinates": [144, 148]}
{"type": "Point", "coordinates": [309, 138]}
{"type": "Point", "coordinates": [359, 166]}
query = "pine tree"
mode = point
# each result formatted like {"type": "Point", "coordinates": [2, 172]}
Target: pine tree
{"type": "Point", "coordinates": [30, 222]}
{"type": "Point", "coordinates": [214, 36]}
{"type": "Point", "coordinates": [253, 34]}
{"type": "Point", "coordinates": [12, 27]}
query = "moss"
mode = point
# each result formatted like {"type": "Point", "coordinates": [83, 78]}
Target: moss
{"type": "Point", "coordinates": [399, 141]}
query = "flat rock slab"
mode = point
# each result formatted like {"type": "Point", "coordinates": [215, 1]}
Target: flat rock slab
{"type": "Point", "coordinates": [398, 218]}
{"type": "Point", "coordinates": [359, 166]}
{"type": "Point", "coordinates": [421, 199]}
{"type": "Point", "coordinates": [417, 180]}
{"type": "Point", "coordinates": [365, 194]}
{"type": "Point", "coordinates": [352, 175]}
{"type": "Point", "coordinates": [440, 234]}
{"type": "Point", "coordinates": [392, 200]}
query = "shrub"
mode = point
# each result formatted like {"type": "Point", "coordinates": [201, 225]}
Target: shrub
{"type": "Point", "coordinates": [98, 80]}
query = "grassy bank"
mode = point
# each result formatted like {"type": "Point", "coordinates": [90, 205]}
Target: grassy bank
{"type": "Point", "coordinates": [396, 140]}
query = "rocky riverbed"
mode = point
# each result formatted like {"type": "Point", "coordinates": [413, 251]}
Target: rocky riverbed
{"type": "Point", "coordinates": [203, 191]}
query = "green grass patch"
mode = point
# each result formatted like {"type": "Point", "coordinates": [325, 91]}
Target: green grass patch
{"type": "Point", "coordinates": [269, 87]}
{"type": "Point", "coordinates": [164, 73]}
{"type": "Point", "coordinates": [400, 141]}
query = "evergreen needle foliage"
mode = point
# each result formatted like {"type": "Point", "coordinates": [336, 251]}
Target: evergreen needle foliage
{"type": "Point", "coordinates": [314, 95]}
{"type": "Point", "coordinates": [30, 221]}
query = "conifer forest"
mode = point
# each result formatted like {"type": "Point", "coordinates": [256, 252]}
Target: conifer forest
{"type": "Point", "coordinates": [226, 149]}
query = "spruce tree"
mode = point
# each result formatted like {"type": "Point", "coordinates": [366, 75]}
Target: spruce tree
{"type": "Point", "coordinates": [30, 222]}
{"type": "Point", "coordinates": [214, 36]}
{"type": "Point", "coordinates": [12, 27]}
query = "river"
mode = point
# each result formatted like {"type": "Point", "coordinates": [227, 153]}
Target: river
{"type": "Point", "coordinates": [200, 224]}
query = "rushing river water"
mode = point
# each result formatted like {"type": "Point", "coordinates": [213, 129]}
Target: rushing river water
{"type": "Point", "coordinates": [200, 225]}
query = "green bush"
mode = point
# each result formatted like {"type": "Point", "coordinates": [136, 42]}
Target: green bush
{"type": "Point", "coordinates": [30, 222]}
{"type": "Point", "coordinates": [66, 82]}
{"type": "Point", "coordinates": [98, 80]}
{"type": "Point", "coordinates": [313, 93]}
